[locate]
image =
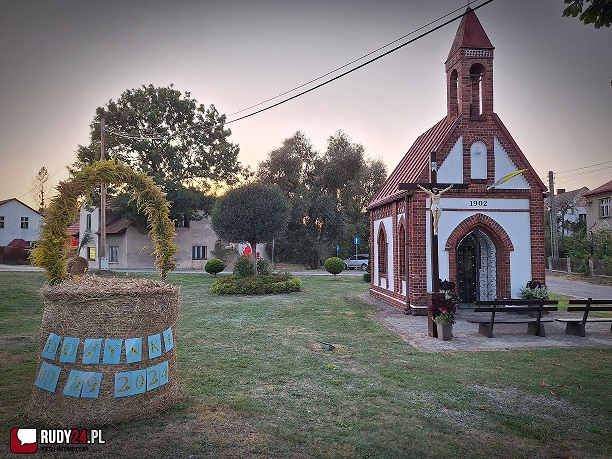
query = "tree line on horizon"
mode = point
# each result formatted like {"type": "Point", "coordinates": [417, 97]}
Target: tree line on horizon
{"type": "Point", "coordinates": [185, 147]}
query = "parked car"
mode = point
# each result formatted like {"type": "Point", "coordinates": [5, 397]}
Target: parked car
{"type": "Point", "coordinates": [359, 261]}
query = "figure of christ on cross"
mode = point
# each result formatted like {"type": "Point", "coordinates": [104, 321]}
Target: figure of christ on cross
{"type": "Point", "coordinates": [435, 207]}
{"type": "Point", "coordinates": [434, 190]}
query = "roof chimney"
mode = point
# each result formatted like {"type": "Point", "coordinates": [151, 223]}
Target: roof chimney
{"type": "Point", "coordinates": [560, 190]}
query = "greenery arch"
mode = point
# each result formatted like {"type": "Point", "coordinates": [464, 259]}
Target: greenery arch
{"type": "Point", "coordinates": [50, 250]}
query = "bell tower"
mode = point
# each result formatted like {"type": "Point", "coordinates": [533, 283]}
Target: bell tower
{"type": "Point", "coordinates": [469, 72]}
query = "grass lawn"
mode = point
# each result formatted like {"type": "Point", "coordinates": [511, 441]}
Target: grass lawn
{"type": "Point", "coordinates": [257, 384]}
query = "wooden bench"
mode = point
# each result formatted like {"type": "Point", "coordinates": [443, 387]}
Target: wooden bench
{"type": "Point", "coordinates": [534, 307]}
{"type": "Point", "coordinates": [575, 326]}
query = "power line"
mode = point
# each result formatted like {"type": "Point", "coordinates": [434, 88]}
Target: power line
{"type": "Point", "coordinates": [584, 167]}
{"type": "Point", "coordinates": [345, 65]}
{"type": "Point", "coordinates": [358, 67]}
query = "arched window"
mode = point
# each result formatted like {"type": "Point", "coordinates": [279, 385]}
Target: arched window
{"type": "Point", "coordinates": [476, 76]}
{"type": "Point", "coordinates": [383, 250]}
{"type": "Point", "coordinates": [401, 251]}
{"type": "Point", "coordinates": [453, 92]}
{"type": "Point", "coordinates": [478, 160]}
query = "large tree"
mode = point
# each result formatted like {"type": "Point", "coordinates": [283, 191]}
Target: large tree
{"type": "Point", "coordinates": [328, 195]}
{"type": "Point", "coordinates": [183, 145]}
{"type": "Point", "coordinates": [598, 13]}
{"type": "Point", "coordinates": [252, 213]}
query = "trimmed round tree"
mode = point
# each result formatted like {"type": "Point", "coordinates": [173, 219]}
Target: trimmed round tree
{"type": "Point", "coordinates": [252, 213]}
{"type": "Point", "coordinates": [334, 265]}
{"type": "Point", "coordinates": [214, 266]}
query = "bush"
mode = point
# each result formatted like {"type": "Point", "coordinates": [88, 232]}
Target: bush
{"type": "Point", "coordinates": [259, 285]}
{"type": "Point", "coordinates": [539, 291]}
{"type": "Point", "coordinates": [367, 277]}
{"type": "Point", "coordinates": [244, 266]}
{"type": "Point", "coordinates": [263, 267]}
{"type": "Point", "coordinates": [334, 265]}
{"type": "Point", "coordinates": [214, 266]}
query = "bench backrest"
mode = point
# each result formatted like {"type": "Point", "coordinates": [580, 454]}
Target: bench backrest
{"type": "Point", "coordinates": [516, 302]}
{"type": "Point", "coordinates": [589, 305]}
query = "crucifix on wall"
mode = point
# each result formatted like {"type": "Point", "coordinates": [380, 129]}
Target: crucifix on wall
{"type": "Point", "coordinates": [434, 190]}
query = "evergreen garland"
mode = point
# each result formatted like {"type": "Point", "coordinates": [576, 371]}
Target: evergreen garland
{"type": "Point", "coordinates": [51, 248]}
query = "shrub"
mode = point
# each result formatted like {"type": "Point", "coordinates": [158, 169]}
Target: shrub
{"type": "Point", "coordinates": [259, 285]}
{"type": "Point", "coordinates": [334, 265]}
{"type": "Point", "coordinates": [214, 266]}
{"type": "Point", "coordinates": [367, 277]}
{"type": "Point", "coordinates": [263, 267]}
{"type": "Point", "coordinates": [531, 293]}
{"type": "Point", "coordinates": [244, 266]}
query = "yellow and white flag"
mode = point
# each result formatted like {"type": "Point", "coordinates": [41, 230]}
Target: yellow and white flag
{"type": "Point", "coordinates": [507, 177]}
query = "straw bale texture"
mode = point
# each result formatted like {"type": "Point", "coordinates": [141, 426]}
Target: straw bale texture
{"type": "Point", "coordinates": [106, 308]}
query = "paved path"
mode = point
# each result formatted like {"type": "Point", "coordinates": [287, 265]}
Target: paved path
{"type": "Point", "coordinates": [413, 330]}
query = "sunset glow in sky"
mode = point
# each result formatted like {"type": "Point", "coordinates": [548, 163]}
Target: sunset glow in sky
{"type": "Point", "coordinates": [63, 59]}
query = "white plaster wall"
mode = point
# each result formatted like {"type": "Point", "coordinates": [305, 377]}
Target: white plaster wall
{"type": "Point", "coordinates": [504, 166]}
{"type": "Point", "coordinates": [451, 170]}
{"type": "Point", "coordinates": [516, 225]}
{"type": "Point", "coordinates": [388, 223]}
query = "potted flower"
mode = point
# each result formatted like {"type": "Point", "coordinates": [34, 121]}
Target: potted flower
{"type": "Point", "coordinates": [443, 309]}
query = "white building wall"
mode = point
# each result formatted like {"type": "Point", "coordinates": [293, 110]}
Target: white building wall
{"type": "Point", "coordinates": [387, 284]}
{"type": "Point", "coordinates": [12, 211]}
{"type": "Point", "coordinates": [515, 223]}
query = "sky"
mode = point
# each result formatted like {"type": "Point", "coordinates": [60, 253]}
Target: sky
{"type": "Point", "coordinates": [61, 59]}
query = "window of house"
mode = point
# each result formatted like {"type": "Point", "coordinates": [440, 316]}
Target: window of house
{"type": "Point", "coordinates": [181, 222]}
{"type": "Point", "coordinates": [604, 207]}
{"type": "Point", "coordinates": [88, 224]}
{"type": "Point", "coordinates": [24, 222]}
{"type": "Point", "coordinates": [198, 252]}
{"type": "Point", "coordinates": [113, 254]}
{"type": "Point", "coordinates": [401, 249]}
{"type": "Point", "coordinates": [91, 253]}
{"type": "Point", "coordinates": [383, 248]}
{"type": "Point", "coordinates": [1, 221]}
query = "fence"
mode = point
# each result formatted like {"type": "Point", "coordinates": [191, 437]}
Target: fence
{"type": "Point", "coordinates": [572, 265]}
{"type": "Point", "coordinates": [14, 255]}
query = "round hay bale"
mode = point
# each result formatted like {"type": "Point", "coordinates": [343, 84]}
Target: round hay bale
{"type": "Point", "coordinates": [107, 352]}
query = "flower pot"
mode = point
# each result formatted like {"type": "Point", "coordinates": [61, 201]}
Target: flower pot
{"type": "Point", "coordinates": [445, 331]}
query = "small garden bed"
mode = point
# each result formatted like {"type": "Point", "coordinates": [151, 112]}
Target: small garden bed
{"type": "Point", "coordinates": [258, 285]}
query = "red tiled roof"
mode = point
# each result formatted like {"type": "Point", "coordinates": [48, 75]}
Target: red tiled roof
{"type": "Point", "coordinates": [605, 188]}
{"type": "Point", "coordinates": [470, 34]}
{"type": "Point", "coordinates": [19, 243]}
{"type": "Point", "coordinates": [414, 163]}
{"type": "Point", "coordinates": [74, 229]}
{"type": "Point", "coordinates": [117, 226]}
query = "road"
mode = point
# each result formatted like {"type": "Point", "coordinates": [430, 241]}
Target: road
{"type": "Point", "coordinates": [555, 284]}
{"type": "Point", "coordinates": [578, 289]}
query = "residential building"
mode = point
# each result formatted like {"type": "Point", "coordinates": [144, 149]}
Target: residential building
{"type": "Point", "coordinates": [18, 222]}
{"type": "Point", "coordinates": [130, 247]}
{"type": "Point", "coordinates": [571, 209]}
{"type": "Point", "coordinates": [599, 210]}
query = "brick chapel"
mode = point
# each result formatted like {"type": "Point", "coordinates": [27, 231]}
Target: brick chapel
{"type": "Point", "coordinates": [490, 237]}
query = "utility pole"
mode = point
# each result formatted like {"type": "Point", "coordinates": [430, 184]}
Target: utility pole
{"type": "Point", "coordinates": [102, 249]}
{"type": "Point", "coordinates": [554, 237]}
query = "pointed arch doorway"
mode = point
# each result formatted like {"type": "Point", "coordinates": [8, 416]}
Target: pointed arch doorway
{"type": "Point", "coordinates": [476, 267]}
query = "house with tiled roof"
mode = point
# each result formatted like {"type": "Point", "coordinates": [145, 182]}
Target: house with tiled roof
{"type": "Point", "coordinates": [490, 234]}
{"type": "Point", "coordinates": [130, 247]}
{"type": "Point", "coordinates": [570, 207]}
{"type": "Point", "coordinates": [18, 221]}
{"type": "Point", "coordinates": [599, 210]}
